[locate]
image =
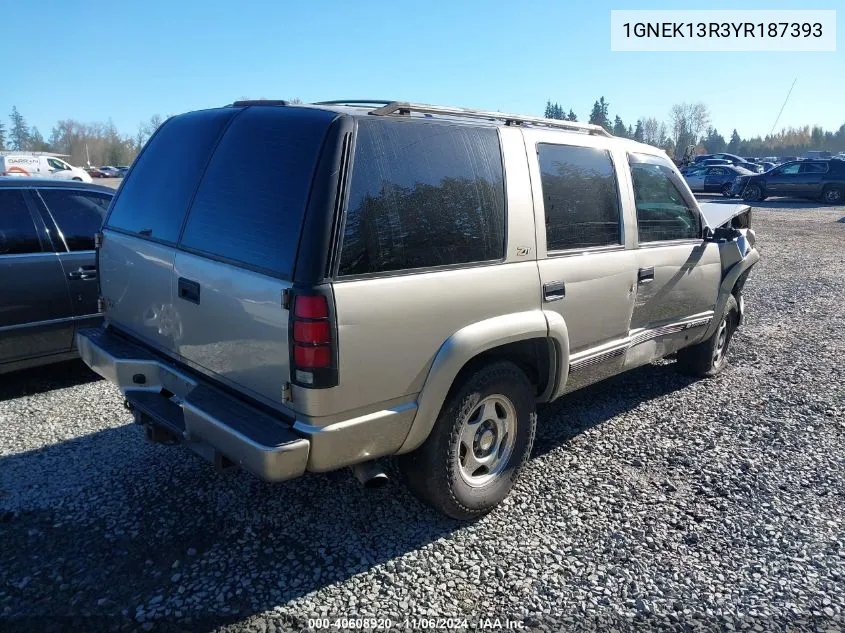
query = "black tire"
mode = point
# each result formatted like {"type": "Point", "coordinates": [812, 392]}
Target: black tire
{"type": "Point", "coordinates": [753, 193]}
{"type": "Point", "coordinates": [702, 359]}
{"type": "Point", "coordinates": [833, 194]}
{"type": "Point", "coordinates": [435, 472]}
{"type": "Point", "coordinates": [726, 189]}
{"type": "Point", "coordinates": [77, 179]}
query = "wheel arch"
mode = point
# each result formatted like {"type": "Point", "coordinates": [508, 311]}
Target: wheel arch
{"type": "Point", "coordinates": [535, 341]}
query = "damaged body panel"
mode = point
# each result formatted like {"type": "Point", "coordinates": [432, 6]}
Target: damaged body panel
{"type": "Point", "coordinates": [729, 226]}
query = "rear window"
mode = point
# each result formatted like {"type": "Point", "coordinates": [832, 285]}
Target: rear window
{"type": "Point", "coordinates": [251, 202]}
{"type": "Point", "coordinates": [155, 197]}
{"type": "Point", "coordinates": [422, 195]}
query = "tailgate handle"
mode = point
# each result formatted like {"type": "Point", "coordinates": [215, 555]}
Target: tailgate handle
{"type": "Point", "coordinates": [189, 290]}
{"type": "Point", "coordinates": [645, 275]}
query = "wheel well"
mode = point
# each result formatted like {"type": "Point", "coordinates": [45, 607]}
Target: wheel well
{"type": "Point", "coordinates": [533, 356]}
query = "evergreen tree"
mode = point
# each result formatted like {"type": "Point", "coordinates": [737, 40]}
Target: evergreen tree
{"type": "Point", "coordinates": [638, 131]}
{"type": "Point", "coordinates": [2, 136]}
{"type": "Point", "coordinates": [733, 146]}
{"type": "Point", "coordinates": [571, 116]}
{"type": "Point", "coordinates": [629, 133]}
{"type": "Point", "coordinates": [549, 110]}
{"type": "Point", "coordinates": [619, 128]}
{"type": "Point", "coordinates": [599, 114]}
{"type": "Point", "coordinates": [19, 132]}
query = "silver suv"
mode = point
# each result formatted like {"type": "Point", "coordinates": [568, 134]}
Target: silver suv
{"type": "Point", "coordinates": [306, 287]}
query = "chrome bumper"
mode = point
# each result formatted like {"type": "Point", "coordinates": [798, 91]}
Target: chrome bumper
{"type": "Point", "coordinates": [197, 412]}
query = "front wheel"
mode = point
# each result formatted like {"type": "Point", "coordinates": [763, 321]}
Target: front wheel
{"type": "Point", "coordinates": [479, 443]}
{"type": "Point", "coordinates": [752, 193]}
{"type": "Point", "coordinates": [710, 357]}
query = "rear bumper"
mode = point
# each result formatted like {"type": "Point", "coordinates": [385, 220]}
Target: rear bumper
{"type": "Point", "coordinates": [197, 412]}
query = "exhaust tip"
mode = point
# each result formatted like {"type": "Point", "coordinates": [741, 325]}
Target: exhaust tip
{"type": "Point", "coordinates": [379, 480]}
{"type": "Point", "coordinates": [370, 475]}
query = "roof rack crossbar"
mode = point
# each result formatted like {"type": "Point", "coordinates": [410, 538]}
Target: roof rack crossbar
{"type": "Point", "coordinates": [353, 102]}
{"type": "Point", "coordinates": [402, 107]}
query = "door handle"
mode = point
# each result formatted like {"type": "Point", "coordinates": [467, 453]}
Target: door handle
{"type": "Point", "coordinates": [83, 272]}
{"type": "Point", "coordinates": [554, 290]}
{"type": "Point", "coordinates": [189, 290]}
{"type": "Point", "coordinates": [645, 275]}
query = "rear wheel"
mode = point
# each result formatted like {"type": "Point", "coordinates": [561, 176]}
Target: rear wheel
{"type": "Point", "coordinates": [833, 194]}
{"type": "Point", "coordinates": [710, 357]}
{"type": "Point", "coordinates": [479, 443]}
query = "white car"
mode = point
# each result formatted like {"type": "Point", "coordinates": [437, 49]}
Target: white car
{"type": "Point", "coordinates": [40, 166]}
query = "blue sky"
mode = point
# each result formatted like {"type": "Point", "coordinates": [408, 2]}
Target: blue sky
{"type": "Point", "coordinates": [126, 60]}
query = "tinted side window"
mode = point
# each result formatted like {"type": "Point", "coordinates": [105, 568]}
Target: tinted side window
{"type": "Point", "coordinates": [17, 231]}
{"type": "Point", "coordinates": [423, 194]}
{"type": "Point", "coordinates": [78, 214]}
{"type": "Point", "coordinates": [790, 169]}
{"type": "Point", "coordinates": [580, 197]}
{"type": "Point", "coordinates": [663, 212]}
{"type": "Point", "coordinates": [155, 197]}
{"type": "Point", "coordinates": [251, 202]}
{"type": "Point", "coordinates": [814, 168]}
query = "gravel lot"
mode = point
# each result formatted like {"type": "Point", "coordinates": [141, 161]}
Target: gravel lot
{"type": "Point", "coordinates": [651, 501]}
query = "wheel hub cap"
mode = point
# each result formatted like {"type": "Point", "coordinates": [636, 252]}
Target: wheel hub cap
{"type": "Point", "coordinates": [487, 438]}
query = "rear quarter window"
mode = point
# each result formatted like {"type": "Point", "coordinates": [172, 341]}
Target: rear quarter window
{"type": "Point", "coordinates": [155, 197]}
{"type": "Point", "coordinates": [252, 199]}
{"type": "Point", "coordinates": [423, 195]}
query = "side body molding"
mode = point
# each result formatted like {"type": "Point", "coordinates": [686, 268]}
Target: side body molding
{"type": "Point", "coordinates": [469, 342]}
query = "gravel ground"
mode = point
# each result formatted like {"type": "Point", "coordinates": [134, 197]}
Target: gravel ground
{"type": "Point", "coordinates": [651, 501]}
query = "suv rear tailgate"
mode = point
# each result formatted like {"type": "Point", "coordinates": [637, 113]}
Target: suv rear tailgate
{"type": "Point", "coordinates": [221, 309]}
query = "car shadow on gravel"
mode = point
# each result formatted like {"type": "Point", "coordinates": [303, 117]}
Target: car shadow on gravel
{"type": "Point", "coordinates": [100, 525]}
{"type": "Point", "coordinates": [580, 411]}
{"type": "Point", "coordinates": [40, 379]}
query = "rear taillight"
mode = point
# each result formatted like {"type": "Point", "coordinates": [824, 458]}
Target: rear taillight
{"type": "Point", "coordinates": [313, 351]}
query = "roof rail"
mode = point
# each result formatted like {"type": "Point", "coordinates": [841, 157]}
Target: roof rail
{"type": "Point", "coordinates": [402, 107]}
{"type": "Point", "coordinates": [354, 102]}
{"type": "Point", "coordinates": [252, 102]}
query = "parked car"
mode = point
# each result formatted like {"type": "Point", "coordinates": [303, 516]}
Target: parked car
{"type": "Point", "coordinates": [47, 299]}
{"type": "Point", "coordinates": [815, 179]}
{"type": "Point", "coordinates": [40, 166]}
{"type": "Point", "coordinates": [111, 172]}
{"type": "Point", "coordinates": [94, 172]}
{"type": "Point", "coordinates": [717, 179]}
{"type": "Point", "coordinates": [766, 165]}
{"type": "Point", "coordinates": [434, 274]}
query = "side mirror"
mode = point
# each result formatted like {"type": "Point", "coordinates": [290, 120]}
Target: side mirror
{"type": "Point", "coordinates": [706, 233]}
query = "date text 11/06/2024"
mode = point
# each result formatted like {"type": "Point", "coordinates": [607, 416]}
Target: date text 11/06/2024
{"type": "Point", "coordinates": [445, 624]}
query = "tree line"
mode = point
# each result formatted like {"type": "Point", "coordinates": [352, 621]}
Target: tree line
{"type": "Point", "coordinates": [99, 143]}
{"type": "Point", "coordinates": [689, 125]}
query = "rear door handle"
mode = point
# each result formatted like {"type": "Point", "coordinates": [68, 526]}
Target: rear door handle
{"type": "Point", "coordinates": [189, 290]}
{"type": "Point", "coordinates": [645, 275]}
{"type": "Point", "coordinates": [83, 272]}
{"type": "Point", "coordinates": [554, 290]}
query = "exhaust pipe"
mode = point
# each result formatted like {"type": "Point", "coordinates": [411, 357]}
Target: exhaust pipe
{"type": "Point", "coordinates": [370, 474]}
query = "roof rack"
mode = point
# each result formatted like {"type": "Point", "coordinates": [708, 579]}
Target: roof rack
{"type": "Point", "coordinates": [402, 107]}
{"type": "Point", "coordinates": [355, 102]}
{"type": "Point", "coordinates": [252, 102]}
